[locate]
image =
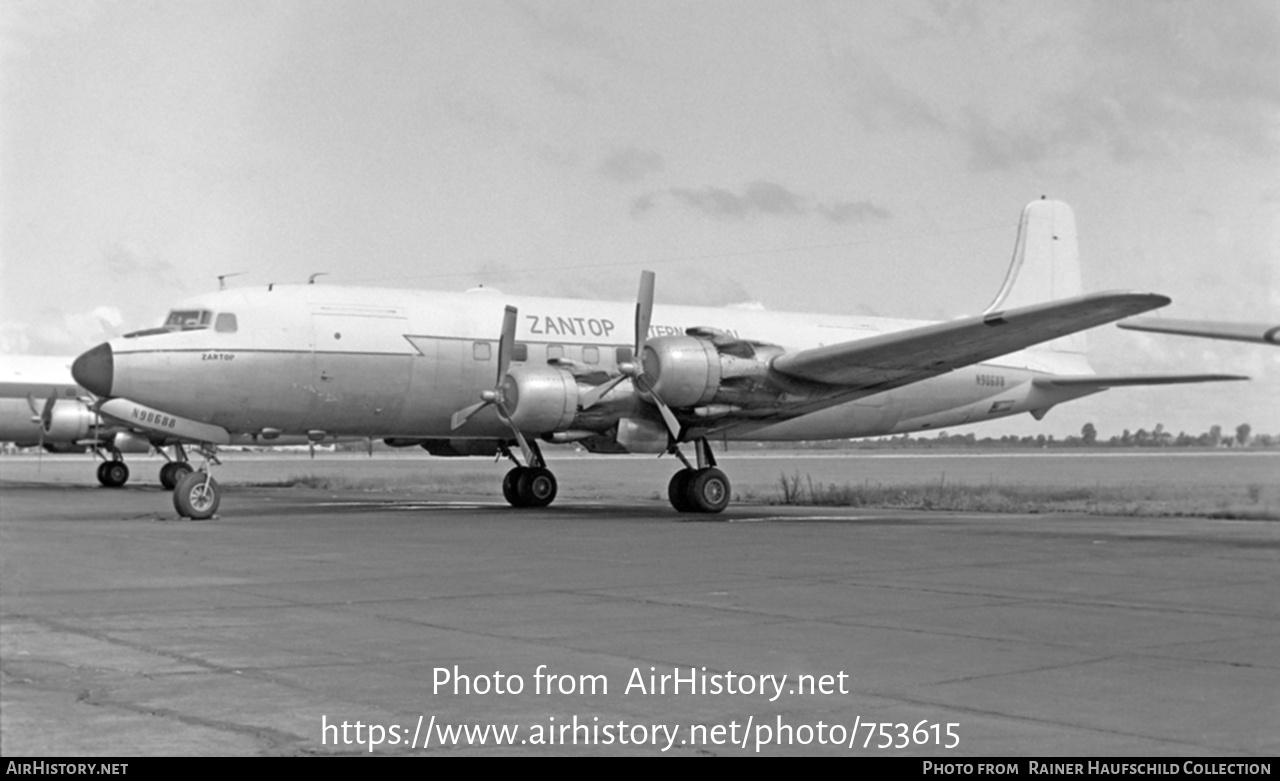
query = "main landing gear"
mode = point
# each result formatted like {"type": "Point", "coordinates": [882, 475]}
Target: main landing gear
{"type": "Point", "coordinates": [699, 489]}
{"type": "Point", "coordinates": [197, 495]}
{"type": "Point", "coordinates": [529, 486]}
{"type": "Point", "coordinates": [113, 473]}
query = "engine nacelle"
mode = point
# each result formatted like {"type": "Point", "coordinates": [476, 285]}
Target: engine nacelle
{"type": "Point", "coordinates": [540, 399]}
{"type": "Point", "coordinates": [683, 371]}
{"type": "Point", "coordinates": [693, 372]}
{"type": "Point", "coordinates": [69, 420]}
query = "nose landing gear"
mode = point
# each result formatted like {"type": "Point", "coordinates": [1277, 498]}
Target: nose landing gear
{"type": "Point", "coordinates": [197, 495]}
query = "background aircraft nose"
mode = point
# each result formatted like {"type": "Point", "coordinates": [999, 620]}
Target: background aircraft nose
{"type": "Point", "coordinates": [94, 370]}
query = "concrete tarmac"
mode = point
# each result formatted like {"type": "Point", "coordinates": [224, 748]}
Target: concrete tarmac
{"type": "Point", "coordinates": [128, 632]}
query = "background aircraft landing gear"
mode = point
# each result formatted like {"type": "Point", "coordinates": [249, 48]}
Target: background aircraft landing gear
{"type": "Point", "coordinates": [699, 490]}
{"type": "Point", "coordinates": [527, 486]}
{"type": "Point", "coordinates": [197, 496]}
{"type": "Point", "coordinates": [173, 472]}
{"type": "Point", "coordinates": [113, 474]}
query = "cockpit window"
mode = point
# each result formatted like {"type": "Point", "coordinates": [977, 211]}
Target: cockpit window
{"type": "Point", "coordinates": [188, 319]}
{"type": "Point", "coordinates": [225, 323]}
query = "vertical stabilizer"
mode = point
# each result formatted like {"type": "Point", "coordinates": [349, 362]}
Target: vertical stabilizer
{"type": "Point", "coordinates": [1045, 265]}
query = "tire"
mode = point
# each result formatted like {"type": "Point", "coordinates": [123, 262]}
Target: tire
{"type": "Point", "coordinates": [113, 474]}
{"type": "Point", "coordinates": [172, 472]}
{"type": "Point", "coordinates": [537, 487]}
{"type": "Point", "coordinates": [197, 496]}
{"type": "Point", "coordinates": [678, 490]}
{"type": "Point", "coordinates": [708, 491]}
{"type": "Point", "coordinates": [511, 486]}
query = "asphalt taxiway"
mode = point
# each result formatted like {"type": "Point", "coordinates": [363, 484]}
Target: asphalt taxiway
{"type": "Point", "coordinates": [128, 632]}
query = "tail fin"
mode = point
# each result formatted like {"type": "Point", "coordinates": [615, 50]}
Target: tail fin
{"type": "Point", "coordinates": [1045, 265]}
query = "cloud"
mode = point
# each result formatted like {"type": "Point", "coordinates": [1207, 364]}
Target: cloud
{"type": "Point", "coordinates": [123, 263]}
{"type": "Point", "coordinates": [1152, 78]}
{"type": "Point", "coordinates": [61, 333]}
{"type": "Point", "coordinates": [1017, 84]}
{"type": "Point", "coordinates": [878, 101]}
{"type": "Point", "coordinates": [561, 26]}
{"type": "Point", "coordinates": [769, 199]}
{"type": "Point", "coordinates": [631, 164]}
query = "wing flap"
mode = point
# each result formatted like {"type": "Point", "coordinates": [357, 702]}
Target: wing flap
{"type": "Point", "coordinates": [891, 360]}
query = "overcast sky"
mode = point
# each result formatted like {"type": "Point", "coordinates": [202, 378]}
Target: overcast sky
{"type": "Point", "coordinates": [849, 157]}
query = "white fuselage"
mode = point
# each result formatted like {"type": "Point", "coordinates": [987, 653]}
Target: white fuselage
{"type": "Point", "coordinates": [400, 363]}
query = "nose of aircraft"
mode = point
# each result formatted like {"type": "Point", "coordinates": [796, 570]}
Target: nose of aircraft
{"type": "Point", "coordinates": [93, 370]}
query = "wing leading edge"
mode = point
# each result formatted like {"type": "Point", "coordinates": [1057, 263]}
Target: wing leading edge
{"type": "Point", "coordinates": [903, 357]}
{"type": "Point", "coordinates": [1101, 382]}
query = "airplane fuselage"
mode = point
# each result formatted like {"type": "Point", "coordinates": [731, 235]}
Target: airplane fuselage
{"type": "Point", "coordinates": [398, 363]}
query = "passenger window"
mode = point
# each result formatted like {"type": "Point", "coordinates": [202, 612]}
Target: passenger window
{"type": "Point", "coordinates": [623, 354]}
{"type": "Point", "coordinates": [590, 355]}
{"type": "Point", "coordinates": [225, 324]}
{"type": "Point", "coordinates": [555, 351]}
{"type": "Point", "coordinates": [520, 352]}
{"type": "Point", "coordinates": [481, 351]}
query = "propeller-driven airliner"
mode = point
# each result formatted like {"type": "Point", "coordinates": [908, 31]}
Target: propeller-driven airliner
{"type": "Point", "coordinates": [483, 374]}
{"type": "Point", "coordinates": [42, 406]}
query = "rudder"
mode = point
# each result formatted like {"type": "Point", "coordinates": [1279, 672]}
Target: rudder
{"type": "Point", "coordinates": [1045, 265]}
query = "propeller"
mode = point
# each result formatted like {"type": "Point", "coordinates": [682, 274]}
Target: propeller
{"type": "Point", "coordinates": [634, 369]}
{"type": "Point", "coordinates": [44, 417]}
{"type": "Point", "coordinates": [495, 397]}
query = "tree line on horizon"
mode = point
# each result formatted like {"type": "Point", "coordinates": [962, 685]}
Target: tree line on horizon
{"type": "Point", "coordinates": [1157, 437]}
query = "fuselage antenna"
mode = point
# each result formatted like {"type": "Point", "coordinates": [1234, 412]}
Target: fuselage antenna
{"type": "Point", "coordinates": [311, 280]}
{"type": "Point", "coordinates": [222, 278]}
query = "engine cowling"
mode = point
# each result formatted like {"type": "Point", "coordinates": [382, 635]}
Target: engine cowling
{"type": "Point", "coordinates": [683, 371]}
{"type": "Point", "coordinates": [69, 420]}
{"type": "Point", "coordinates": [540, 399]}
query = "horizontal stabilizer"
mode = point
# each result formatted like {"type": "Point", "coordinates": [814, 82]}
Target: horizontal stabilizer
{"type": "Point", "coordinates": [1101, 382]}
{"type": "Point", "coordinates": [1209, 329]}
{"type": "Point", "coordinates": [895, 359]}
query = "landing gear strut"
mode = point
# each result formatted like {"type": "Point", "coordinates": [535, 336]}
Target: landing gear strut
{"type": "Point", "coordinates": [529, 486]}
{"type": "Point", "coordinates": [700, 489]}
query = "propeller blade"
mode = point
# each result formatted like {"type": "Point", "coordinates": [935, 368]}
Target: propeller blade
{"type": "Point", "coordinates": [464, 414]}
{"type": "Point", "coordinates": [507, 343]}
{"type": "Point", "coordinates": [673, 425]}
{"type": "Point", "coordinates": [593, 396]}
{"type": "Point", "coordinates": [506, 346]}
{"type": "Point", "coordinates": [644, 313]}
{"type": "Point", "coordinates": [46, 417]}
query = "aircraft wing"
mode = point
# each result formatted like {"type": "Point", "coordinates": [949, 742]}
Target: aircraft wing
{"type": "Point", "coordinates": [895, 359]}
{"type": "Point", "coordinates": [1101, 382]}
{"type": "Point", "coordinates": [1209, 329]}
